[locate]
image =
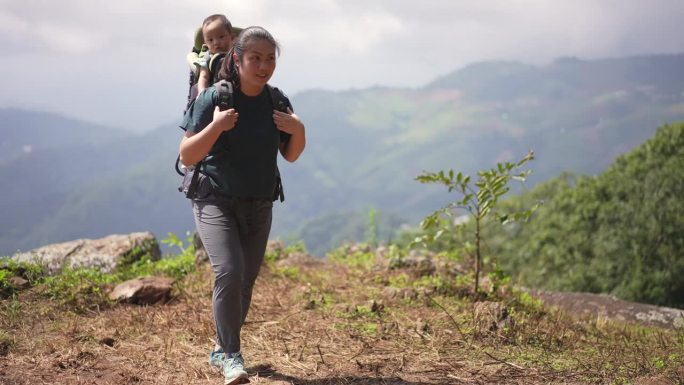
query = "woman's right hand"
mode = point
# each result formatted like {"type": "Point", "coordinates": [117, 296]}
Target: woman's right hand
{"type": "Point", "coordinates": [225, 120]}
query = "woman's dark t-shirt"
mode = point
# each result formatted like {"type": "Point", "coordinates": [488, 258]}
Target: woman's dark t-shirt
{"type": "Point", "coordinates": [242, 162]}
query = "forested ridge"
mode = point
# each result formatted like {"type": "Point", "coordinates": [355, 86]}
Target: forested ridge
{"type": "Point", "coordinates": [620, 232]}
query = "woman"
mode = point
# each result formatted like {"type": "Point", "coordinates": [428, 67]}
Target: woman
{"type": "Point", "coordinates": [238, 149]}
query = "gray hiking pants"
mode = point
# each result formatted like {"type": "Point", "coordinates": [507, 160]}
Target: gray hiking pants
{"type": "Point", "coordinates": [234, 232]}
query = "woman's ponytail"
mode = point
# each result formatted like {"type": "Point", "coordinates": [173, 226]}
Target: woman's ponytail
{"type": "Point", "coordinates": [229, 70]}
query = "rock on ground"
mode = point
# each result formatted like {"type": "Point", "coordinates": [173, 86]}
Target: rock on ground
{"type": "Point", "coordinates": [143, 291]}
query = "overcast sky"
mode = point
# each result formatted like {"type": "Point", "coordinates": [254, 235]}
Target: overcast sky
{"type": "Point", "coordinates": [122, 62]}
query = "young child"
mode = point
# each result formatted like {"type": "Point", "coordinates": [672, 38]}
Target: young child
{"type": "Point", "coordinates": [214, 37]}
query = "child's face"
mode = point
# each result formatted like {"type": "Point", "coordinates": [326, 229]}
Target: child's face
{"type": "Point", "coordinates": [217, 37]}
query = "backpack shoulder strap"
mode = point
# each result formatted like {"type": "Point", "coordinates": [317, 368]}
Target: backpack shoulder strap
{"type": "Point", "coordinates": [225, 94]}
{"type": "Point", "coordinates": [225, 102]}
{"type": "Point", "coordinates": [278, 98]}
{"type": "Point", "coordinates": [280, 103]}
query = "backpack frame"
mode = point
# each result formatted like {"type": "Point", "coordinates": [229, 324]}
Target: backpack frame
{"type": "Point", "coordinates": [213, 66]}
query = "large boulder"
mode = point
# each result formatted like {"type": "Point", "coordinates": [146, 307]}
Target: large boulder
{"type": "Point", "coordinates": [105, 253]}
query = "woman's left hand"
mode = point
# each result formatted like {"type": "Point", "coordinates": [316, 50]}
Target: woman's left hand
{"type": "Point", "coordinates": [288, 122]}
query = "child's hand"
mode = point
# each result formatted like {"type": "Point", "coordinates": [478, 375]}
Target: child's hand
{"type": "Point", "coordinates": [225, 120]}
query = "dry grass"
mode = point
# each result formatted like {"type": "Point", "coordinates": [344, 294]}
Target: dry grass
{"type": "Point", "coordinates": [328, 324]}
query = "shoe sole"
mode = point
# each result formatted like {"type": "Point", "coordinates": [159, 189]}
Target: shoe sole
{"type": "Point", "coordinates": [238, 380]}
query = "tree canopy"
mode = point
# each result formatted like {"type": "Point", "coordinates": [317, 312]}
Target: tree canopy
{"type": "Point", "coordinates": [621, 232]}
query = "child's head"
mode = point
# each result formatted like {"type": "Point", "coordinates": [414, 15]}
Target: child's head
{"type": "Point", "coordinates": [217, 33]}
{"type": "Point", "coordinates": [252, 58]}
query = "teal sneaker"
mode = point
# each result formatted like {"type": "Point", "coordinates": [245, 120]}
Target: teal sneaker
{"type": "Point", "coordinates": [216, 358]}
{"type": "Point", "coordinates": [234, 369]}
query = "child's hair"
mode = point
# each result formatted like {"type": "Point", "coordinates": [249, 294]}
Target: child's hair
{"type": "Point", "coordinates": [229, 70]}
{"type": "Point", "coordinates": [224, 21]}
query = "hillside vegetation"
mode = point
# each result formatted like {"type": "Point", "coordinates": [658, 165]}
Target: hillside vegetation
{"type": "Point", "coordinates": [619, 232]}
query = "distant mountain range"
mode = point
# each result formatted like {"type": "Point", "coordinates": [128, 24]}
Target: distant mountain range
{"type": "Point", "coordinates": [65, 179]}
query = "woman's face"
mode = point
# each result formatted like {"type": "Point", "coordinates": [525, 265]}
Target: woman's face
{"type": "Point", "coordinates": [257, 65]}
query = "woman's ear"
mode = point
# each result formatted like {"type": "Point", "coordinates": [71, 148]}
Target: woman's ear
{"type": "Point", "coordinates": [235, 59]}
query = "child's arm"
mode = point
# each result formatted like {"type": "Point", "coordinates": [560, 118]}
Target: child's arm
{"type": "Point", "coordinates": [203, 80]}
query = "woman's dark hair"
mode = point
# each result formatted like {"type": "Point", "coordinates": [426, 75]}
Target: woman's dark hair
{"type": "Point", "coordinates": [229, 70]}
{"type": "Point", "coordinates": [224, 20]}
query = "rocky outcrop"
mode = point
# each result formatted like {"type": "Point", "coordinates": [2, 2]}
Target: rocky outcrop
{"type": "Point", "coordinates": [609, 307]}
{"type": "Point", "coordinates": [105, 253]}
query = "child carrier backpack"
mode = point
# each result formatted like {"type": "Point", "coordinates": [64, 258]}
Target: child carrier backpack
{"type": "Point", "coordinates": [225, 102]}
{"type": "Point", "coordinates": [200, 50]}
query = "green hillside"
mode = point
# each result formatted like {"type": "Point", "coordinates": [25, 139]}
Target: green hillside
{"type": "Point", "coordinates": [364, 149]}
{"type": "Point", "coordinates": [28, 131]}
{"type": "Point", "coordinates": [367, 146]}
{"type": "Point", "coordinates": [618, 233]}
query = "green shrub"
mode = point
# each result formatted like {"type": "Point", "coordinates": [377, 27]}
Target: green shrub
{"type": "Point", "coordinates": [362, 256]}
{"type": "Point", "coordinates": [477, 201]}
{"type": "Point", "coordinates": [80, 289]}
{"type": "Point", "coordinates": [10, 268]}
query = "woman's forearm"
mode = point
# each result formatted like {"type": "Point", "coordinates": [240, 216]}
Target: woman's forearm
{"type": "Point", "coordinates": [295, 146]}
{"type": "Point", "coordinates": [194, 147]}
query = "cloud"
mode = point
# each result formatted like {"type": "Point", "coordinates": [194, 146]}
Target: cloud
{"type": "Point", "coordinates": [68, 39]}
{"type": "Point", "coordinates": [335, 31]}
{"type": "Point", "coordinates": [136, 48]}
